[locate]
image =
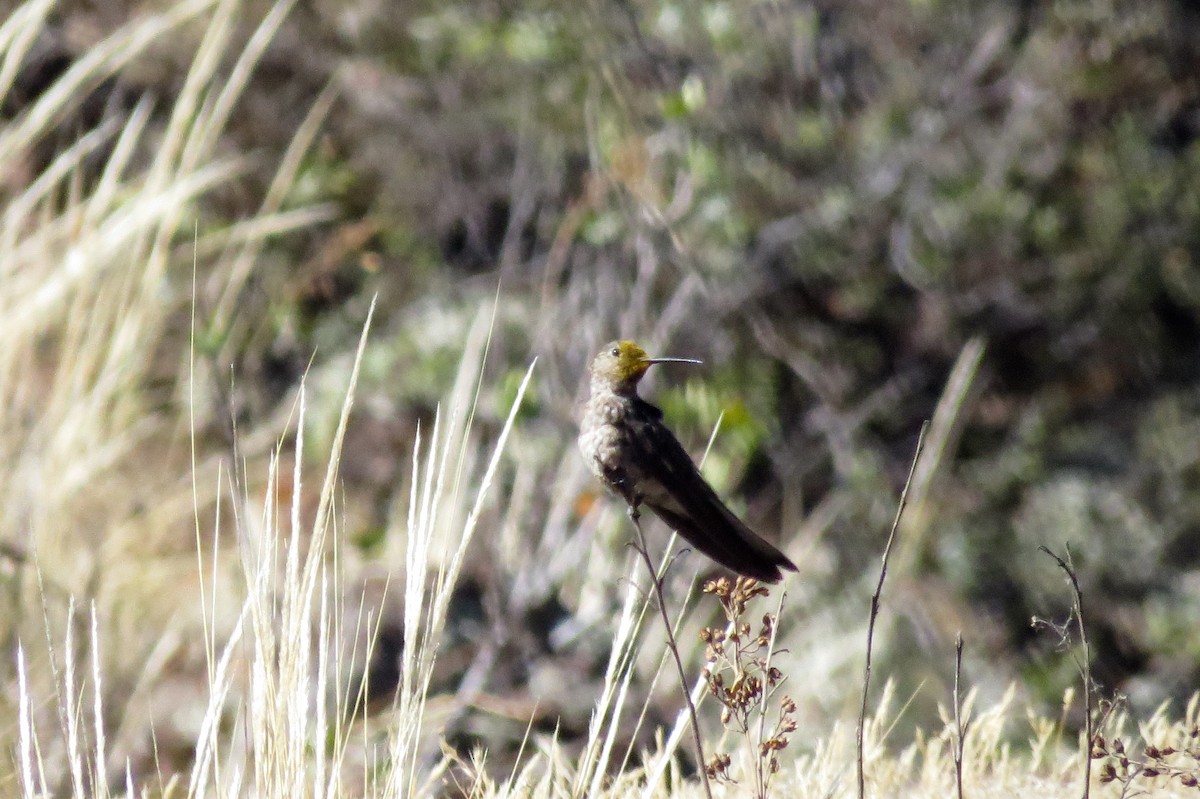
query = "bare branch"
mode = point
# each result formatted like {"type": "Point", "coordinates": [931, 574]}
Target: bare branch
{"type": "Point", "coordinates": [887, 551]}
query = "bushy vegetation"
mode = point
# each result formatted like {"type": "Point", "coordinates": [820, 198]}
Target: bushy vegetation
{"type": "Point", "coordinates": [984, 214]}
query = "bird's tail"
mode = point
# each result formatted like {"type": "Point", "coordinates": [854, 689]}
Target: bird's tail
{"type": "Point", "coordinates": [726, 539]}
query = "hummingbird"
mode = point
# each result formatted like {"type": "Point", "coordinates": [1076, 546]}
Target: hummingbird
{"type": "Point", "coordinates": [629, 448]}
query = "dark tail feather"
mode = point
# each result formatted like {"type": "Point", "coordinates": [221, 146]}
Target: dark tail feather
{"type": "Point", "coordinates": [727, 540]}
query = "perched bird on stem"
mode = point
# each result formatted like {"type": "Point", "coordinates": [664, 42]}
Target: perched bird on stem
{"type": "Point", "coordinates": [628, 447]}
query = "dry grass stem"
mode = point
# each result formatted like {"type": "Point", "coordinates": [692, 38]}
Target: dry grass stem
{"type": "Point", "coordinates": [673, 646]}
{"type": "Point", "coordinates": [887, 551]}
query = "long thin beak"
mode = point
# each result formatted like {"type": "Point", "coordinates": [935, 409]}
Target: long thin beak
{"type": "Point", "coordinates": [671, 360]}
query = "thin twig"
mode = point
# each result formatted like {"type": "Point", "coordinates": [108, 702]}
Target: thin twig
{"type": "Point", "coordinates": [887, 551]}
{"type": "Point", "coordinates": [1085, 668]}
{"type": "Point", "coordinates": [960, 728]}
{"type": "Point", "coordinates": [642, 547]}
{"type": "Point", "coordinates": [764, 779]}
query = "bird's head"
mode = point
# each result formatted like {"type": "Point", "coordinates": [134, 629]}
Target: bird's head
{"type": "Point", "coordinates": [621, 364]}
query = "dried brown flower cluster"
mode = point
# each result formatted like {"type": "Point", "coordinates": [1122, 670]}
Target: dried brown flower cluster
{"type": "Point", "coordinates": [740, 676]}
{"type": "Point", "coordinates": [1166, 762]}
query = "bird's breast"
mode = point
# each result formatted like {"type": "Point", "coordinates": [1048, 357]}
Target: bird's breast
{"type": "Point", "coordinates": [601, 434]}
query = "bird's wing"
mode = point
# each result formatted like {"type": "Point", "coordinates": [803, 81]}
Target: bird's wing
{"type": "Point", "coordinates": [678, 493]}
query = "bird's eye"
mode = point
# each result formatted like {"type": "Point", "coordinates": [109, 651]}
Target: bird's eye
{"type": "Point", "coordinates": [616, 352]}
